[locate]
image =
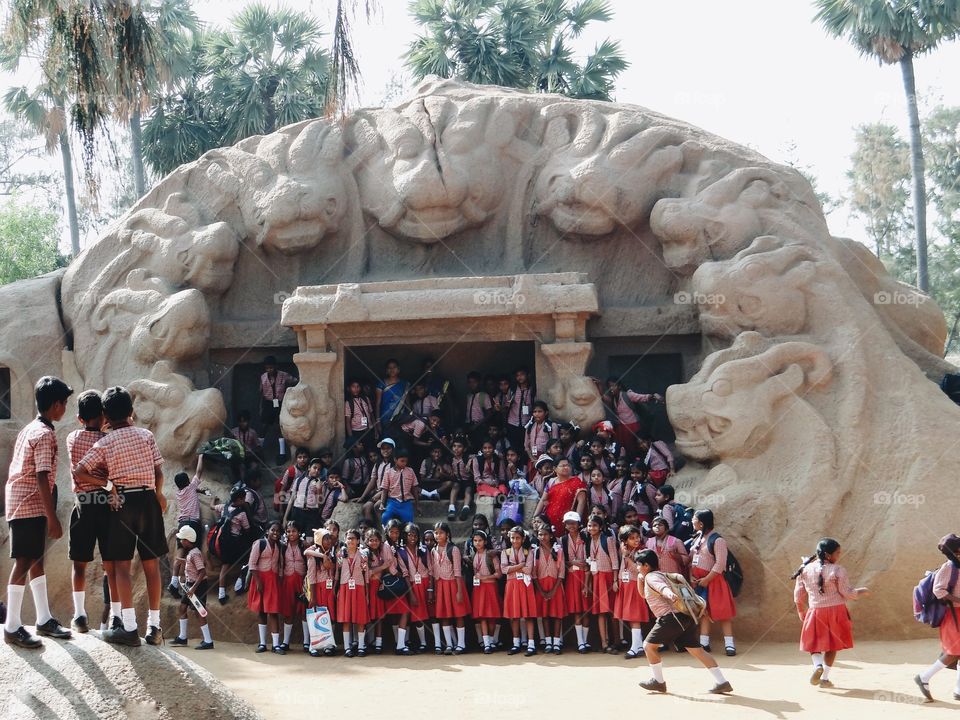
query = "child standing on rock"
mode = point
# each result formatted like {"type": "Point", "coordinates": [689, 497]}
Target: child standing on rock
{"type": "Point", "coordinates": [195, 574]}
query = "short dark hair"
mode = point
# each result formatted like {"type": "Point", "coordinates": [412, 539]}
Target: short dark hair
{"type": "Point", "coordinates": [473, 375]}
{"type": "Point", "coordinates": [243, 415]}
{"type": "Point", "coordinates": [270, 360]}
{"type": "Point", "coordinates": [181, 480]}
{"type": "Point", "coordinates": [50, 390]}
{"type": "Point", "coordinates": [117, 404]}
{"type": "Point", "coordinates": [89, 405]}
{"type": "Point", "coordinates": [648, 557]}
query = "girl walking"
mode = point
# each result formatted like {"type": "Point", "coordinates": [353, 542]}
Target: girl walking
{"type": "Point", "coordinates": [945, 587]}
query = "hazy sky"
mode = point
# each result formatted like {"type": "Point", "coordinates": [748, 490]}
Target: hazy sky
{"type": "Point", "coordinates": [758, 72]}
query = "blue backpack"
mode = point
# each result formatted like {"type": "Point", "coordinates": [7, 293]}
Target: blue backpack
{"type": "Point", "coordinates": [927, 607]}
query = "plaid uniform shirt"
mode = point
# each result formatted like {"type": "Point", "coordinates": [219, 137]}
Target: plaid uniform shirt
{"type": "Point", "coordinates": [274, 389]}
{"type": "Point", "coordinates": [79, 443]}
{"type": "Point", "coordinates": [34, 452]}
{"type": "Point", "coordinates": [194, 569]}
{"type": "Point", "coordinates": [128, 455]}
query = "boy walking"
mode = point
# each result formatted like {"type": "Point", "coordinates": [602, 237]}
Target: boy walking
{"type": "Point", "coordinates": [32, 513]}
{"type": "Point", "coordinates": [195, 585]}
{"type": "Point", "coordinates": [129, 458]}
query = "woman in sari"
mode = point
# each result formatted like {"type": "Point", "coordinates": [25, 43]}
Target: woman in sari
{"type": "Point", "coordinates": [566, 492]}
{"type": "Point", "coordinates": [391, 393]}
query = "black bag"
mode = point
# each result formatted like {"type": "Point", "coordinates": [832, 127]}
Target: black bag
{"type": "Point", "coordinates": [732, 573]}
{"type": "Point", "coordinates": [682, 521]}
{"type": "Point", "coordinates": [392, 587]}
{"type": "Point", "coordinates": [951, 386]}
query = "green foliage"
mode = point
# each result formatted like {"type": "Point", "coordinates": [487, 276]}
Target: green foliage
{"type": "Point", "coordinates": [515, 43]}
{"type": "Point", "coordinates": [28, 241]}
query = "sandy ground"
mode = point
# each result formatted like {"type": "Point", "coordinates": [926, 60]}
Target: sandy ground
{"type": "Point", "coordinates": [770, 680]}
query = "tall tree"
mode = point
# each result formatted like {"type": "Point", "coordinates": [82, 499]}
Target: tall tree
{"type": "Point", "coordinates": [28, 241]}
{"type": "Point", "coordinates": [515, 43]}
{"type": "Point", "coordinates": [897, 31]}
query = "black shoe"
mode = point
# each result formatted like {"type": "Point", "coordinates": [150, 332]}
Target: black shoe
{"type": "Point", "coordinates": [314, 653]}
{"type": "Point", "coordinates": [924, 687]}
{"type": "Point", "coordinates": [174, 591]}
{"type": "Point", "coordinates": [514, 650]}
{"type": "Point", "coordinates": [531, 651]}
{"type": "Point", "coordinates": [377, 650]}
{"type": "Point", "coordinates": [403, 651]}
{"type": "Point", "coordinates": [79, 625]}
{"type": "Point", "coordinates": [451, 514]}
{"type": "Point", "coordinates": [179, 642]}
{"type": "Point", "coordinates": [654, 686]}
{"type": "Point", "coordinates": [261, 648]}
{"type": "Point", "coordinates": [488, 650]}
{"type": "Point", "coordinates": [130, 638]}
{"type": "Point", "coordinates": [329, 652]}
{"type": "Point", "coordinates": [350, 652]}
{"type": "Point", "coordinates": [204, 646]}
{"type": "Point", "coordinates": [706, 648]}
{"type": "Point", "coordinates": [362, 652]}
{"type": "Point", "coordinates": [633, 654]}
{"type": "Point", "coordinates": [730, 650]}
{"type": "Point", "coordinates": [558, 649]}
{"type": "Point", "coordinates": [52, 628]}
{"type": "Point", "coordinates": [22, 638]}
{"type": "Point", "coordinates": [285, 646]}
{"type": "Point", "coordinates": [464, 512]}
{"type": "Point", "coordinates": [154, 636]}
{"type": "Point", "coordinates": [116, 623]}
{"type": "Point", "coordinates": [223, 600]}
{"type": "Point", "coordinates": [306, 647]}
{"type": "Point", "coordinates": [278, 649]}
{"type": "Point", "coordinates": [721, 688]}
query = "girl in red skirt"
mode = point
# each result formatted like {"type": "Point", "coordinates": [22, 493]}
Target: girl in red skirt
{"type": "Point", "coordinates": [821, 593]}
{"type": "Point", "coordinates": [946, 586]}
{"type": "Point", "coordinates": [352, 611]}
{"type": "Point", "coordinates": [399, 607]}
{"type": "Point", "coordinates": [630, 606]}
{"type": "Point", "coordinates": [264, 594]}
{"type": "Point", "coordinates": [709, 560]}
{"type": "Point", "coordinates": [448, 590]}
{"type": "Point", "coordinates": [321, 574]}
{"type": "Point", "coordinates": [575, 587]}
{"type": "Point", "coordinates": [412, 557]}
{"type": "Point", "coordinates": [603, 562]}
{"type": "Point", "coordinates": [293, 568]}
{"type": "Point", "coordinates": [549, 571]}
{"type": "Point", "coordinates": [381, 560]}
{"type": "Point", "coordinates": [487, 609]}
{"type": "Point", "coordinates": [519, 600]}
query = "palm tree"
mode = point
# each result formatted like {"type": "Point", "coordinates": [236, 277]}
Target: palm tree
{"type": "Point", "coordinates": [896, 31]}
{"type": "Point", "coordinates": [515, 43]}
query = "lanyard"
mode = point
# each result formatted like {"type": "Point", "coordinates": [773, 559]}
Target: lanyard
{"type": "Point", "coordinates": [350, 565]}
{"type": "Point", "coordinates": [518, 560]}
{"type": "Point", "coordinates": [477, 564]}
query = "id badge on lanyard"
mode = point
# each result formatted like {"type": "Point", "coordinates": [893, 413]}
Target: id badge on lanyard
{"type": "Point", "coordinates": [352, 584]}
{"type": "Point", "coordinates": [329, 585]}
{"type": "Point", "coordinates": [476, 582]}
{"type": "Point", "coordinates": [594, 567]}
{"type": "Point", "coordinates": [276, 403]}
{"type": "Point", "coordinates": [625, 576]}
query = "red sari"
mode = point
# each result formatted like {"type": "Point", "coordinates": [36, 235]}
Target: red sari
{"type": "Point", "coordinates": [560, 498]}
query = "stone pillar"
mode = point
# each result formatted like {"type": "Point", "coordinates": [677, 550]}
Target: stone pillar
{"type": "Point", "coordinates": [309, 416]}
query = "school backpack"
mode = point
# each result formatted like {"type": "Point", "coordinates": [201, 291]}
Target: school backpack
{"type": "Point", "coordinates": [732, 573]}
{"type": "Point", "coordinates": [682, 521]}
{"type": "Point", "coordinates": [688, 602]}
{"type": "Point", "coordinates": [215, 534]}
{"type": "Point", "coordinates": [927, 607]}
{"type": "Point", "coordinates": [258, 511]}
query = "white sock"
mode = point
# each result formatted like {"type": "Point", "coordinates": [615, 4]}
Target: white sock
{"type": "Point", "coordinates": [461, 637]}
{"type": "Point", "coordinates": [306, 632]}
{"type": "Point", "coordinates": [487, 641]}
{"type": "Point", "coordinates": [436, 635]}
{"type": "Point", "coordinates": [129, 618]}
{"type": "Point", "coordinates": [448, 635]}
{"type": "Point", "coordinates": [728, 641]}
{"type": "Point", "coordinates": [580, 634]}
{"type": "Point", "coordinates": [704, 640]}
{"type": "Point", "coordinates": [238, 585]}
{"type": "Point", "coordinates": [362, 641]}
{"type": "Point", "coordinates": [103, 627]}
{"type": "Point", "coordinates": [516, 641]}
{"type": "Point", "coordinates": [452, 508]}
{"type": "Point", "coordinates": [347, 639]}
{"type": "Point", "coordinates": [636, 637]}
{"type": "Point", "coordinates": [14, 602]}
{"type": "Point", "coordinates": [275, 637]}
{"type": "Point", "coordinates": [175, 581]}
{"type": "Point", "coordinates": [78, 609]}
{"type": "Point", "coordinates": [38, 586]}
{"type": "Point", "coordinates": [205, 629]}
{"type": "Point", "coordinates": [826, 672]}
{"type": "Point", "coordinates": [379, 642]}
{"type": "Point", "coordinates": [817, 659]}
{"type": "Point", "coordinates": [532, 644]}
{"type": "Point", "coordinates": [401, 638]}
{"type": "Point", "coordinates": [287, 632]}
{"type": "Point", "coordinates": [717, 675]}
{"type": "Point", "coordinates": [153, 618]}
{"type": "Point", "coordinates": [263, 634]}
{"type": "Point", "coordinates": [183, 628]}
{"type": "Point", "coordinates": [657, 670]}
{"type": "Point", "coordinates": [222, 592]}
{"type": "Point", "coordinates": [926, 675]}
{"type": "Point", "coordinates": [422, 632]}
{"type": "Point", "coordinates": [114, 609]}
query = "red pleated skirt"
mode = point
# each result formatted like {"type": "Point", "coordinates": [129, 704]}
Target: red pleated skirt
{"type": "Point", "coordinates": [950, 632]}
{"type": "Point", "coordinates": [555, 607]}
{"type": "Point", "coordinates": [421, 611]}
{"type": "Point", "coordinates": [352, 605]}
{"type": "Point", "coordinates": [446, 599]}
{"type": "Point", "coordinates": [720, 604]}
{"type": "Point", "coordinates": [573, 595]}
{"type": "Point", "coordinates": [630, 605]}
{"type": "Point", "coordinates": [397, 606]}
{"type": "Point", "coordinates": [290, 585]}
{"type": "Point", "coordinates": [376, 606]}
{"type": "Point", "coordinates": [601, 596]}
{"type": "Point", "coordinates": [269, 600]}
{"type": "Point", "coordinates": [323, 597]}
{"type": "Point", "coordinates": [486, 602]}
{"type": "Point", "coordinates": [826, 630]}
{"type": "Point", "coordinates": [519, 599]}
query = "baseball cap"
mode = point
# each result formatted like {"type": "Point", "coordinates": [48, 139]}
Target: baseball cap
{"type": "Point", "coordinates": [187, 533]}
{"type": "Point", "coordinates": [386, 441]}
{"type": "Point", "coordinates": [571, 516]}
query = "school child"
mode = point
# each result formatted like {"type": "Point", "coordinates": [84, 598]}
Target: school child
{"type": "Point", "coordinates": [321, 574]}
{"type": "Point", "coordinates": [489, 471]}
{"type": "Point", "coordinates": [398, 607]}
{"type": "Point", "coordinates": [658, 458]}
{"type": "Point", "coordinates": [604, 431]}
{"type": "Point", "coordinates": [543, 473]}
{"type": "Point", "coordinates": [517, 462]}
{"type": "Point", "coordinates": [293, 569]}
{"type": "Point", "coordinates": [501, 398]}
{"type": "Point", "coordinates": [821, 592]}
{"type": "Point", "coordinates": [427, 433]}
{"type": "Point", "coordinates": [672, 628]}
{"type": "Point", "coordinates": [671, 552]}
{"type": "Point", "coordinates": [195, 585]}
{"type": "Point", "coordinates": [352, 609]}
{"type": "Point", "coordinates": [597, 495]}
{"type": "Point", "coordinates": [519, 600]}
{"type": "Point", "coordinates": [88, 520]}
{"type": "Point", "coordinates": [575, 586]}
{"type": "Point", "coordinates": [31, 512]}
{"type": "Point", "coordinates": [429, 539]}
{"type": "Point", "coordinates": [421, 402]}
{"type": "Point", "coordinates": [603, 561]}
{"type": "Point", "coordinates": [252, 446]}
{"type": "Point", "coordinates": [357, 414]}
{"type": "Point", "coordinates": [487, 608]}
{"type": "Point", "coordinates": [549, 573]}
{"type": "Point", "coordinates": [332, 492]}
{"type": "Point", "coordinates": [568, 435]}
{"type": "Point", "coordinates": [945, 588]}
{"type": "Point", "coordinates": [355, 471]}
{"type": "Point", "coordinates": [414, 557]}
{"type": "Point", "coordinates": [264, 595]}
{"type": "Point", "coordinates": [620, 405]}
{"type": "Point", "coordinates": [620, 487]}
{"type": "Point", "coordinates": [643, 496]}
{"type": "Point", "coordinates": [501, 541]}
{"type": "Point", "coordinates": [435, 474]}
{"type": "Point", "coordinates": [586, 467]}
{"type": "Point", "coordinates": [303, 505]}
{"type": "Point", "coordinates": [188, 513]}
{"type": "Point", "coordinates": [384, 462]}
{"type": "Point", "coordinates": [291, 475]}
{"type": "Point", "coordinates": [602, 459]}
{"type": "Point", "coordinates": [664, 498]}
{"type": "Point", "coordinates": [630, 606]}
{"type": "Point", "coordinates": [467, 550]}
{"type": "Point", "coordinates": [709, 553]}
{"type": "Point", "coordinates": [129, 457]}
{"type": "Point", "coordinates": [539, 430]}
{"type": "Point", "coordinates": [399, 490]}
{"type": "Point", "coordinates": [333, 527]}
{"type": "Point", "coordinates": [519, 407]}
{"type": "Point", "coordinates": [448, 590]}
{"type": "Point", "coordinates": [462, 472]}
{"type": "Point", "coordinates": [234, 517]}
{"type": "Point", "coordinates": [478, 410]}
{"type": "Point", "coordinates": [380, 560]}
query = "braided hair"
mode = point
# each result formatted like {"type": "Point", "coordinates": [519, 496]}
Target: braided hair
{"type": "Point", "coordinates": [826, 546]}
